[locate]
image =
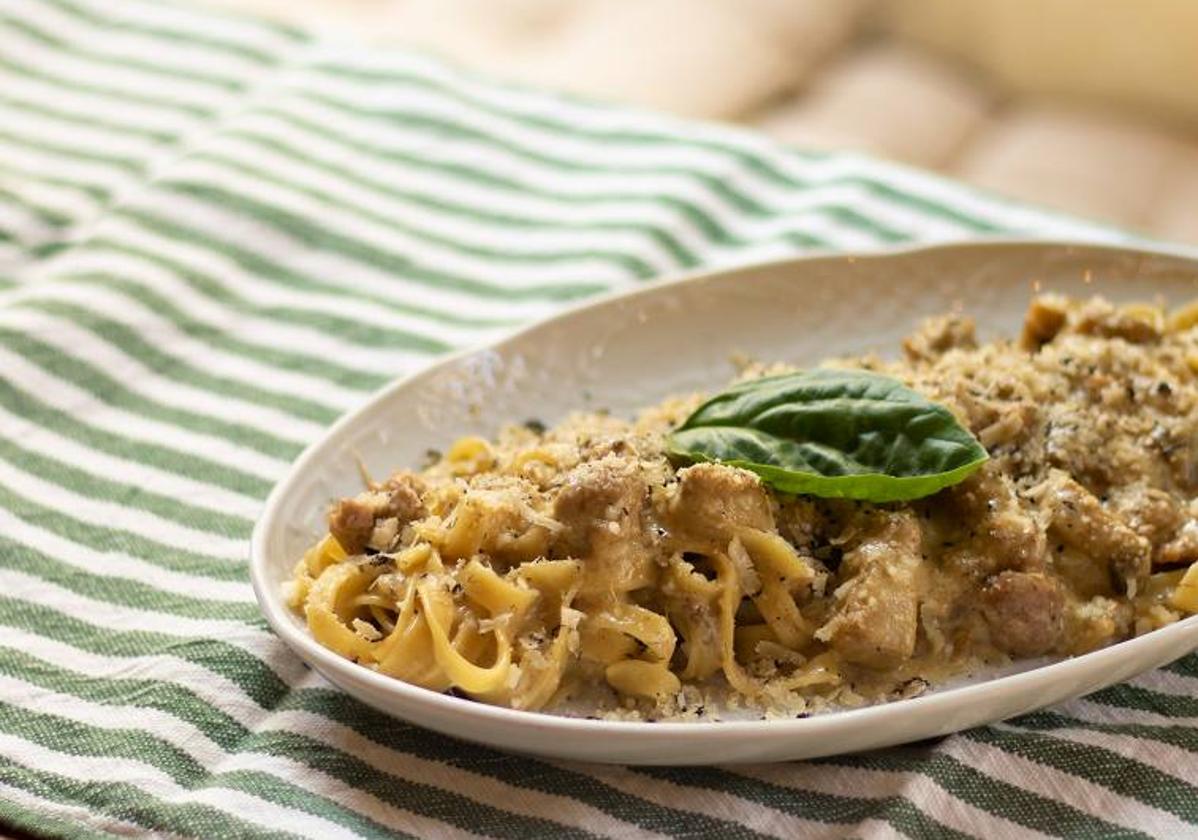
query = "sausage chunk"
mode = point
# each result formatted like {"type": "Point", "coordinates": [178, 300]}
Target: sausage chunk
{"type": "Point", "coordinates": [1025, 612]}
{"type": "Point", "coordinates": [601, 510]}
{"type": "Point", "coordinates": [1000, 533]}
{"type": "Point", "coordinates": [352, 520]}
{"type": "Point", "coordinates": [600, 495]}
{"type": "Point", "coordinates": [402, 498]}
{"type": "Point", "coordinates": [877, 609]}
{"type": "Point", "coordinates": [1046, 316]}
{"type": "Point", "coordinates": [713, 500]}
{"type": "Point", "coordinates": [1136, 326]}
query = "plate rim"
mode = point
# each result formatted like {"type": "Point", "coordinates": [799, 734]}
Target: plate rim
{"type": "Point", "coordinates": [321, 658]}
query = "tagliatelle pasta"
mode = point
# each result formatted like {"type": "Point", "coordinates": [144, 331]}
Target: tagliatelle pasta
{"type": "Point", "coordinates": [581, 562]}
{"type": "Point", "coordinates": [440, 614]}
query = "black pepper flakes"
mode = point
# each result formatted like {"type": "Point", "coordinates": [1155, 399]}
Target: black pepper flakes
{"type": "Point", "coordinates": [431, 457]}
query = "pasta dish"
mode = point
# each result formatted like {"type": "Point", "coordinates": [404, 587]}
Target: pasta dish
{"type": "Point", "coordinates": [805, 540]}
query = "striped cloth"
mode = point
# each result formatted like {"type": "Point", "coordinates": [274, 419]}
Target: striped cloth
{"type": "Point", "coordinates": [216, 236]}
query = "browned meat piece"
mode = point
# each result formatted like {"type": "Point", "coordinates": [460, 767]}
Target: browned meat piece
{"type": "Point", "coordinates": [997, 533]}
{"type": "Point", "coordinates": [1025, 612]}
{"type": "Point", "coordinates": [352, 520]}
{"type": "Point", "coordinates": [601, 509]}
{"type": "Point", "coordinates": [938, 335]}
{"type": "Point", "coordinates": [1079, 520]}
{"type": "Point", "coordinates": [403, 492]}
{"type": "Point", "coordinates": [985, 492]}
{"type": "Point", "coordinates": [877, 610]}
{"type": "Point", "coordinates": [1046, 316]}
{"type": "Point", "coordinates": [1136, 325]}
{"type": "Point", "coordinates": [713, 499]}
{"type": "Point", "coordinates": [1013, 535]}
{"type": "Point", "coordinates": [598, 495]}
{"type": "Point", "coordinates": [1182, 550]}
{"type": "Point", "coordinates": [1151, 513]}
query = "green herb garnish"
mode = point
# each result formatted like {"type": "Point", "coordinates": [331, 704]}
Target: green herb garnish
{"type": "Point", "coordinates": [832, 433]}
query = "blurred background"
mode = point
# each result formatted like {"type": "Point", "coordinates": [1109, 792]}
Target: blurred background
{"type": "Point", "coordinates": [1088, 106]}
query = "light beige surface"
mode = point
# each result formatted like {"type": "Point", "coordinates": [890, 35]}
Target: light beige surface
{"type": "Point", "coordinates": [888, 99]}
{"type": "Point", "coordinates": [1088, 106]}
{"type": "Point", "coordinates": [655, 53]}
{"type": "Point", "coordinates": [1088, 162]}
{"type": "Point", "coordinates": [1141, 55]}
{"type": "Point", "coordinates": [1175, 213]}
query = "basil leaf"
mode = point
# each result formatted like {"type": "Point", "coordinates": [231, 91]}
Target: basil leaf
{"type": "Point", "coordinates": [833, 433]}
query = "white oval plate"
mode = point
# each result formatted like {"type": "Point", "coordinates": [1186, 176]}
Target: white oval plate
{"type": "Point", "coordinates": [628, 351]}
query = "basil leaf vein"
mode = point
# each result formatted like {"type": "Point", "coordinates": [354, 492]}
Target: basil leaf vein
{"type": "Point", "coordinates": [833, 433]}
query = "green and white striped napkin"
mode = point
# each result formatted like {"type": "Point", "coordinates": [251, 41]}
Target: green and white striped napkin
{"type": "Point", "coordinates": [217, 235]}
